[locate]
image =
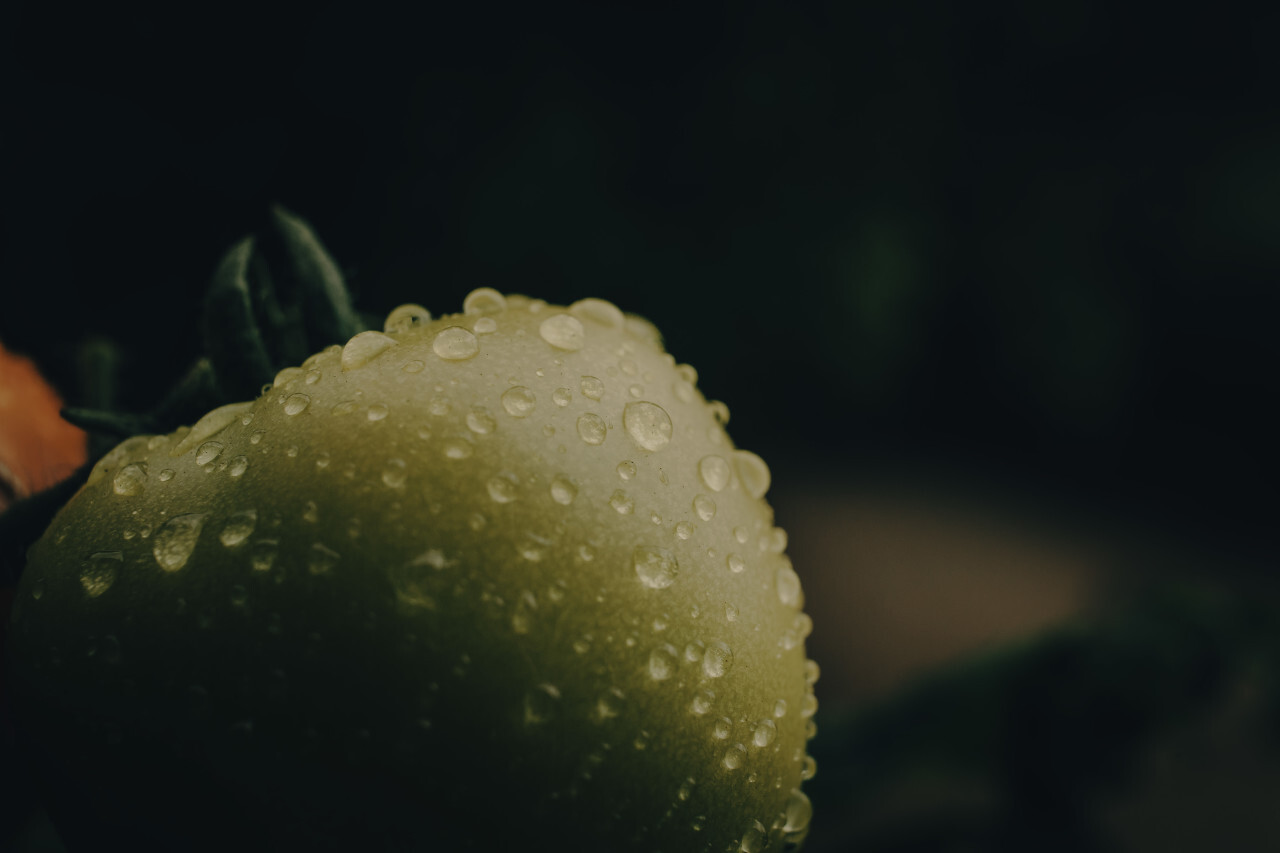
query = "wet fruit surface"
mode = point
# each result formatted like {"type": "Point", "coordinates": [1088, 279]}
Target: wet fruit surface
{"type": "Point", "coordinates": [465, 581]}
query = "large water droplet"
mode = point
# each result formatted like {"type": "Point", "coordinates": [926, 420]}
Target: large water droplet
{"type": "Point", "coordinates": [504, 488]}
{"type": "Point", "coordinates": [296, 404]}
{"type": "Point", "coordinates": [208, 452]}
{"type": "Point", "coordinates": [662, 662]}
{"type": "Point", "coordinates": [480, 421]}
{"type": "Point", "coordinates": [563, 490]}
{"type": "Point", "coordinates": [705, 507]}
{"type": "Point", "coordinates": [519, 401]}
{"type": "Point", "coordinates": [484, 300]}
{"type": "Point", "coordinates": [321, 559]}
{"type": "Point", "coordinates": [406, 318]}
{"type": "Point", "coordinates": [648, 424]}
{"type": "Point", "coordinates": [592, 428]}
{"type": "Point", "coordinates": [592, 388]}
{"type": "Point", "coordinates": [766, 731]}
{"type": "Point", "coordinates": [717, 659]}
{"type": "Point", "coordinates": [455, 344]}
{"type": "Point", "coordinates": [176, 539]}
{"type": "Point", "coordinates": [100, 571]}
{"type": "Point", "coordinates": [541, 704]}
{"type": "Point", "coordinates": [238, 528]}
{"type": "Point", "coordinates": [799, 812]}
{"type": "Point", "coordinates": [364, 348]}
{"type": "Point", "coordinates": [563, 331]}
{"type": "Point", "coordinates": [656, 567]}
{"type": "Point", "coordinates": [129, 479]}
{"type": "Point", "coordinates": [714, 471]}
{"type": "Point", "coordinates": [753, 472]}
{"type": "Point", "coordinates": [395, 473]}
{"type": "Point", "coordinates": [598, 311]}
{"type": "Point", "coordinates": [788, 584]}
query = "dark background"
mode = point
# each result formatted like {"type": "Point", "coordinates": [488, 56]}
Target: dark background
{"type": "Point", "coordinates": [1028, 250]}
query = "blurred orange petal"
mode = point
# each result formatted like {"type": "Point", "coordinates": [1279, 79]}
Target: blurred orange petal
{"type": "Point", "coordinates": [37, 447]}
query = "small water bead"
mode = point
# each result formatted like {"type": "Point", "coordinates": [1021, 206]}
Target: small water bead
{"type": "Point", "coordinates": [541, 704]}
{"type": "Point", "coordinates": [439, 407]}
{"type": "Point", "coordinates": [752, 472]}
{"type": "Point", "coordinates": [455, 344]}
{"type": "Point", "coordinates": [262, 554]}
{"type": "Point", "coordinates": [321, 559]}
{"type": "Point", "coordinates": [765, 733]}
{"type": "Point", "coordinates": [592, 429]}
{"type": "Point", "coordinates": [730, 612]}
{"type": "Point", "coordinates": [808, 706]}
{"type": "Point", "coordinates": [395, 474]}
{"type": "Point", "coordinates": [406, 318]}
{"type": "Point", "coordinates": [238, 466]}
{"type": "Point", "coordinates": [722, 728]}
{"type": "Point", "coordinates": [285, 376]}
{"type": "Point", "coordinates": [166, 475]}
{"type": "Point", "coordinates": [684, 530]}
{"type": "Point", "coordinates": [310, 512]}
{"type": "Point", "coordinates": [591, 387]}
{"type": "Point", "coordinates": [754, 839]}
{"type": "Point", "coordinates": [208, 452]}
{"type": "Point", "coordinates": [657, 568]}
{"type": "Point", "coordinates": [296, 404]}
{"type": "Point", "coordinates": [599, 311]}
{"type": "Point", "coordinates": [809, 768]}
{"type": "Point", "coordinates": [485, 326]}
{"type": "Point", "coordinates": [238, 528]}
{"type": "Point", "coordinates": [621, 504]}
{"type": "Point", "coordinates": [775, 541]}
{"type": "Point", "coordinates": [811, 672]}
{"type": "Point", "coordinates": [129, 480]}
{"type": "Point", "coordinates": [702, 701]}
{"type": "Point", "coordinates": [378, 412]}
{"type": "Point", "coordinates": [209, 425]}
{"type": "Point", "coordinates": [788, 584]}
{"type": "Point", "coordinates": [780, 708]}
{"type": "Point", "coordinates": [705, 507]}
{"type": "Point", "coordinates": [799, 812]}
{"type": "Point", "coordinates": [714, 471]}
{"type": "Point", "coordinates": [662, 662]}
{"type": "Point", "coordinates": [735, 757]}
{"type": "Point", "coordinates": [717, 659]}
{"type": "Point", "coordinates": [741, 534]}
{"type": "Point", "coordinates": [626, 470]}
{"type": "Point", "coordinates": [313, 376]}
{"type": "Point", "coordinates": [563, 331]}
{"type": "Point", "coordinates": [563, 490]}
{"type": "Point", "coordinates": [484, 300]}
{"type": "Point", "coordinates": [480, 421]}
{"type": "Point", "coordinates": [636, 391]}
{"type": "Point", "coordinates": [176, 539]}
{"type": "Point", "coordinates": [648, 424]}
{"type": "Point", "coordinates": [609, 705]}
{"type": "Point", "coordinates": [504, 488]}
{"type": "Point", "coordinates": [364, 348]}
{"type": "Point", "coordinates": [720, 412]}
{"type": "Point", "coordinates": [735, 563]}
{"type": "Point", "coordinates": [457, 448]}
{"type": "Point", "coordinates": [519, 401]}
{"type": "Point", "coordinates": [100, 571]}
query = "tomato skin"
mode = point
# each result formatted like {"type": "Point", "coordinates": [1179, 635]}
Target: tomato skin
{"type": "Point", "coordinates": [454, 572]}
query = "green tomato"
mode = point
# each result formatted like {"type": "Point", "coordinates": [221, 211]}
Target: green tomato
{"type": "Point", "coordinates": [497, 580]}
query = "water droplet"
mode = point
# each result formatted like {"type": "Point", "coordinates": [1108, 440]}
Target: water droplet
{"type": "Point", "coordinates": [722, 728]}
{"type": "Point", "coordinates": [519, 401]}
{"type": "Point", "coordinates": [364, 348]}
{"type": "Point", "coordinates": [720, 412]}
{"type": "Point", "coordinates": [714, 471]}
{"type": "Point", "coordinates": [629, 367]}
{"type": "Point", "coordinates": [100, 571]}
{"type": "Point", "coordinates": [730, 612]}
{"type": "Point", "coordinates": [702, 702]}
{"type": "Point", "coordinates": [522, 618]}
{"type": "Point", "coordinates": [754, 839]}
{"type": "Point", "coordinates": [313, 376]}
{"type": "Point", "coordinates": [563, 331]}
{"type": "Point", "coordinates": [684, 530]}
{"type": "Point", "coordinates": [457, 448]}
{"type": "Point", "coordinates": [129, 480]}
{"type": "Point", "coordinates": [406, 318]}
{"type": "Point", "coordinates": [808, 706]}
{"type": "Point", "coordinates": [636, 391]}
{"type": "Point", "coordinates": [764, 734]}
{"type": "Point", "coordinates": [662, 662]}
{"type": "Point", "coordinates": [321, 559]}
{"type": "Point", "coordinates": [811, 672]}
{"type": "Point", "coordinates": [741, 534]}
{"type": "Point", "coordinates": [648, 424]}
{"type": "Point", "coordinates": [694, 651]}
{"type": "Point", "coordinates": [799, 813]}
{"type": "Point", "coordinates": [735, 563]}
{"type": "Point", "coordinates": [809, 769]}
{"type": "Point", "coordinates": [563, 490]}
{"type": "Point", "coordinates": [484, 300]}
{"type": "Point", "coordinates": [480, 421]}
{"type": "Point", "coordinates": [176, 539]}
{"type": "Point", "coordinates": [346, 407]}
{"type": "Point", "coordinates": [378, 412]}
{"type": "Point", "coordinates": [439, 407]}
{"type": "Point", "coordinates": [752, 472]}
{"type": "Point", "coordinates": [541, 704]}
{"type": "Point", "coordinates": [598, 311]}
{"type": "Point", "coordinates": [504, 488]}
{"type": "Point", "coordinates": [209, 425]}
{"type": "Point", "coordinates": [622, 504]}
{"type": "Point", "coordinates": [238, 528]}
{"type": "Point", "coordinates": [592, 428]}
{"type": "Point", "coordinates": [705, 507]}
{"type": "Point", "coordinates": [592, 388]}
{"type": "Point", "coordinates": [208, 452]}
{"type": "Point", "coordinates": [734, 757]}
{"type": "Point", "coordinates": [310, 512]}
{"type": "Point", "coordinates": [296, 404]}
{"type": "Point", "coordinates": [262, 554]}
{"type": "Point", "coordinates": [534, 547]}
{"type": "Point", "coordinates": [788, 584]}
{"type": "Point", "coordinates": [238, 466]}
{"type": "Point", "coordinates": [455, 344]}
{"type": "Point", "coordinates": [285, 376]}
{"type": "Point", "coordinates": [609, 705]}
{"type": "Point", "coordinates": [780, 708]}
{"type": "Point", "coordinates": [626, 470]}
{"type": "Point", "coordinates": [656, 567]}
{"type": "Point", "coordinates": [717, 659]}
{"type": "Point", "coordinates": [166, 475]}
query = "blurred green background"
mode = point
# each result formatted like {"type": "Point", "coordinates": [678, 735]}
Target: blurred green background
{"type": "Point", "coordinates": [991, 286]}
